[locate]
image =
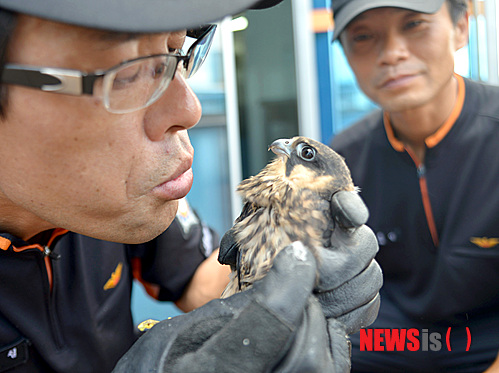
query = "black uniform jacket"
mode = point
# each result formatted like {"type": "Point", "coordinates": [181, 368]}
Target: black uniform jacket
{"type": "Point", "coordinates": [437, 222]}
{"type": "Point", "coordinates": [65, 303]}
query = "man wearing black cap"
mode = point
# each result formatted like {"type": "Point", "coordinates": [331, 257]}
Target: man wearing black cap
{"type": "Point", "coordinates": [428, 169]}
{"type": "Point", "coordinates": [95, 156]}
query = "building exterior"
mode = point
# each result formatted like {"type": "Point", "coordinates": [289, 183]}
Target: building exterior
{"type": "Point", "coordinates": [274, 74]}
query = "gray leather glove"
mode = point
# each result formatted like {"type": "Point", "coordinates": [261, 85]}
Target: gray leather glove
{"type": "Point", "coordinates": [277, 325]}
{"type": "Point", "coordinates": [349, 277]}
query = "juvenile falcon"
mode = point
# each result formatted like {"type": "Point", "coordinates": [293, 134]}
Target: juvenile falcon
{"type": "Point", "coordinates": [289, 200]}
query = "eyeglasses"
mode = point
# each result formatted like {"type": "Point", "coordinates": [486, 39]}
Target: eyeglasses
{"type": "Point", "coordinates": [129, 86]}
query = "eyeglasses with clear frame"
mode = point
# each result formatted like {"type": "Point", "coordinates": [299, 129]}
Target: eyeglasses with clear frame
{"type": "Point", "coordinates": [129, 86]}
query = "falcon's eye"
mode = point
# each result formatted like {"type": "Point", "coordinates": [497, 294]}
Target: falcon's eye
{"type": "Point", "coordinates": [307, 153]}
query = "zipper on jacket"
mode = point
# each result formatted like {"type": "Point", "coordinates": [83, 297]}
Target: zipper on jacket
{"type": "Point", "coordinates": [48, 255]}
{"type": "Point", "coordinates": [47, 252]}
{"type": "Point", "coordinates": [423, 186]}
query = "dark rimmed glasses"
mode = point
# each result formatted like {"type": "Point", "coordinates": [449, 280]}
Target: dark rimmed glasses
{"type": "Point", "coordinates": [129, 86]}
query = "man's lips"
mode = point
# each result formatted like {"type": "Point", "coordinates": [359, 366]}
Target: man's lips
{"type": "Point", "coordinates": [397, 81]}
{"type": "Point", "coordinates": [177, 186]}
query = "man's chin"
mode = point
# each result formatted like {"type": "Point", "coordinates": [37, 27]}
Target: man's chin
{"type": "Point", "coordinates": [139, 232]}
{"type": "Point", "coordinates": [152, 230]}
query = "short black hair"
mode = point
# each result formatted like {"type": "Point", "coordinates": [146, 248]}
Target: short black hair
{"type": "Point", "coordinates": [8, 21]}
{"type": "Point", "coordinates": [457, 9]}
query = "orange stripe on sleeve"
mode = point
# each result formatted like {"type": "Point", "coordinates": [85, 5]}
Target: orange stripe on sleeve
{"type": "Point", "coordinates": [151, 289]}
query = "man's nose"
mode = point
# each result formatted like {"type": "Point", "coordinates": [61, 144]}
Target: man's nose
{"type": "Point", "coordinates": [177, 109]}
{"type": "Point", "coordinates": [393, 49]}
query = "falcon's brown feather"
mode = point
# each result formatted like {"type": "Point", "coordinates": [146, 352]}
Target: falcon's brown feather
{"type": "Point", "coordinates": [289, 200]}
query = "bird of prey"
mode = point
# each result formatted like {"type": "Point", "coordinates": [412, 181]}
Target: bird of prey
{"type": "Point", "coordinates": [289, 200]}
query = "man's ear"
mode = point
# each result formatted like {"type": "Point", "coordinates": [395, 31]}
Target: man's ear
{"type": "Point", "coordinates": [461, 31]}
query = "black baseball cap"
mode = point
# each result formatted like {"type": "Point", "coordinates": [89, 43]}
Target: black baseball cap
{"type": "Point", "coordinates": [345, 11]}
{"type": "Point", "coordinates": [134, 15]}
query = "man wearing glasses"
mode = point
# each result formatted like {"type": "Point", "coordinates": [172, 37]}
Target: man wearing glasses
{"type": "Point", "coordinates": [94, 158]}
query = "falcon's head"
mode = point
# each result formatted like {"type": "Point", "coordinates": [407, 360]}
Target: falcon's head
{"type": "Point", "coordinates": [302, 163]}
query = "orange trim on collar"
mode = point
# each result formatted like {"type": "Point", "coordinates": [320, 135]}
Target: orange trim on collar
{"type": "Point", "coordinates": [55, 233]}
{"type": "Point", "coordinates": [438, 136]}
{"type": "Point", "coordinates": [4, 243]}
{"type": "Point", "coordinates": [24, 248]}
{"type": "Point", "coordinates": [396, 143]}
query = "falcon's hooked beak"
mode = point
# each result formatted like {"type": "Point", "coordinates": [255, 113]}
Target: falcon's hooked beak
{"type": "Point", "coordinates": [282, 147]}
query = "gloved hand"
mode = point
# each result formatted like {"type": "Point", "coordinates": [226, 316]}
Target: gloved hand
{"type": "Point", "coordinates": [277, 325]}
{"type": "Point", "coordinates": [349, 277]}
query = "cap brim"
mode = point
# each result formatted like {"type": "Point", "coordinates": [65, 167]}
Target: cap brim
{"type": "Point", "coordinates": [351, 10]}
{"type": "Point", "coordinates": [134, 15]}
{"type": "Point", "coordinates": [263, 4]}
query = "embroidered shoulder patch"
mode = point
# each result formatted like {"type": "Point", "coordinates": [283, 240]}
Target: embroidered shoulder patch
{"type": "Point", "coordinates": [115, 278]}
{"type": "Point", "coordinates": [147, 324]}
{"type": "Point", "coordinates": [485, 242]}
{"type": "Point", "coordinates": [186, 217]}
